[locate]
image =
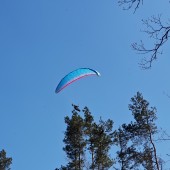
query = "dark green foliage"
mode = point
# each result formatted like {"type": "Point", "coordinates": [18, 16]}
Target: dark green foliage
{"type": "Point", "coordinates": [144, 116]}
{"type": "Point", "coordinates": [145, 129]}
{"type": "Point", "coordinates": [62, 168]}
{"type": "Point", "coordinates": [89, 131]}
{"type": "Point", "coordinates": [99, 139]}
{"type": "Point", "coordinates": [4, 161]}
{"type": "Point", "coordinates": [74, 141]}
{"type": "Point", "coordinates": [87, 144]}
{"type": "Point", "coordinates": [104, 140]}
{"type": "Point", "coordinates": [135, 139]}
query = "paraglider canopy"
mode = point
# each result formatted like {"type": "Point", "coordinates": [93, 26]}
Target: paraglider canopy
{"type": "Point", "coordinates": [75, 75]}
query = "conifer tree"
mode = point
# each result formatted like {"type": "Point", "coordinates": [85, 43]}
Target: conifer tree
{"type": "Point", "coordinates": [74, 141]}
{"type": "Point", "coordinates": [85, 134]}
{"type": "Point", "coordinates": [145, 130]}
{"type": "Point", "coordinates": [89, 134]}
{"type": "Point", "coordinates": [137, 148]}
{"type": "Point", "coordinates": [5, 162]}
{"type": "Point", "coordinates": [103, 142]}
{"type": "Point", "coordinates": [99, 141]}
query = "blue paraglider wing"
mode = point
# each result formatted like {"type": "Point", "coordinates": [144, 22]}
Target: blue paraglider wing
{"type": "Point", "coordinates": [75, 75]}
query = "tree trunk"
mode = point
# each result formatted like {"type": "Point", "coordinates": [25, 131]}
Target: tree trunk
{"type": "Point", "coordinates": [92, 157]}
{"type": "Point", "coordinates": [154, 148]}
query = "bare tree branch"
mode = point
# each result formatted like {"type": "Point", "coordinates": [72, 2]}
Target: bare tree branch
{"type": "Point", "coordinates": [164, 136]}
{"type": "Point", "coordinates": [130, 3]}
{"type": "Point", "coordinates": [157, 31]}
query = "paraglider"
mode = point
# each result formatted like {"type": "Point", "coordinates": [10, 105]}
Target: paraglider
{"type": "Point", "coordinates": [75, 75]}
{"type": "Point", "coordinates": [76, 107]}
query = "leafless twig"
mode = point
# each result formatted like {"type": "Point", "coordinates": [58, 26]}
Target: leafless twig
{"type": "Point", "coordinates": [130, 3]}
{"type": "Point", "coordinates": [164, 136]}
{"type": "Point", "coordinates": [159, 32]}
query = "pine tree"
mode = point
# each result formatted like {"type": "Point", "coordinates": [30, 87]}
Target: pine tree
{"type": "Point", "coordinates": [99, 141]}
{"type": "Point", "coordinates": [85, 138]}
{"type": "Point", "coordinates": [74, 141]}
{"type": "Point", "coordinates": [124, 155]}
{"type": "Point", "coordinates": [135, 139]}
{"type": "Point", "coordinates": [5, 162]}
{"type": "Point", "coordinates": [89, 134]}
{"type": "Point", "coordinates": [103, 142]}
{"type": "Point", "coordinates": [145, 129]}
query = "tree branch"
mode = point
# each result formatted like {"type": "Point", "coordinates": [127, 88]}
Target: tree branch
{"type": "Point", "coordinates": [128, 4]}
{"type": "Point", "coordinates": [157, 31]}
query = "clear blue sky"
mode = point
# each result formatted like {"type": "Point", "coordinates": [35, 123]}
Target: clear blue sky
{"type": "Point", "coordinates": [40, 42]}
